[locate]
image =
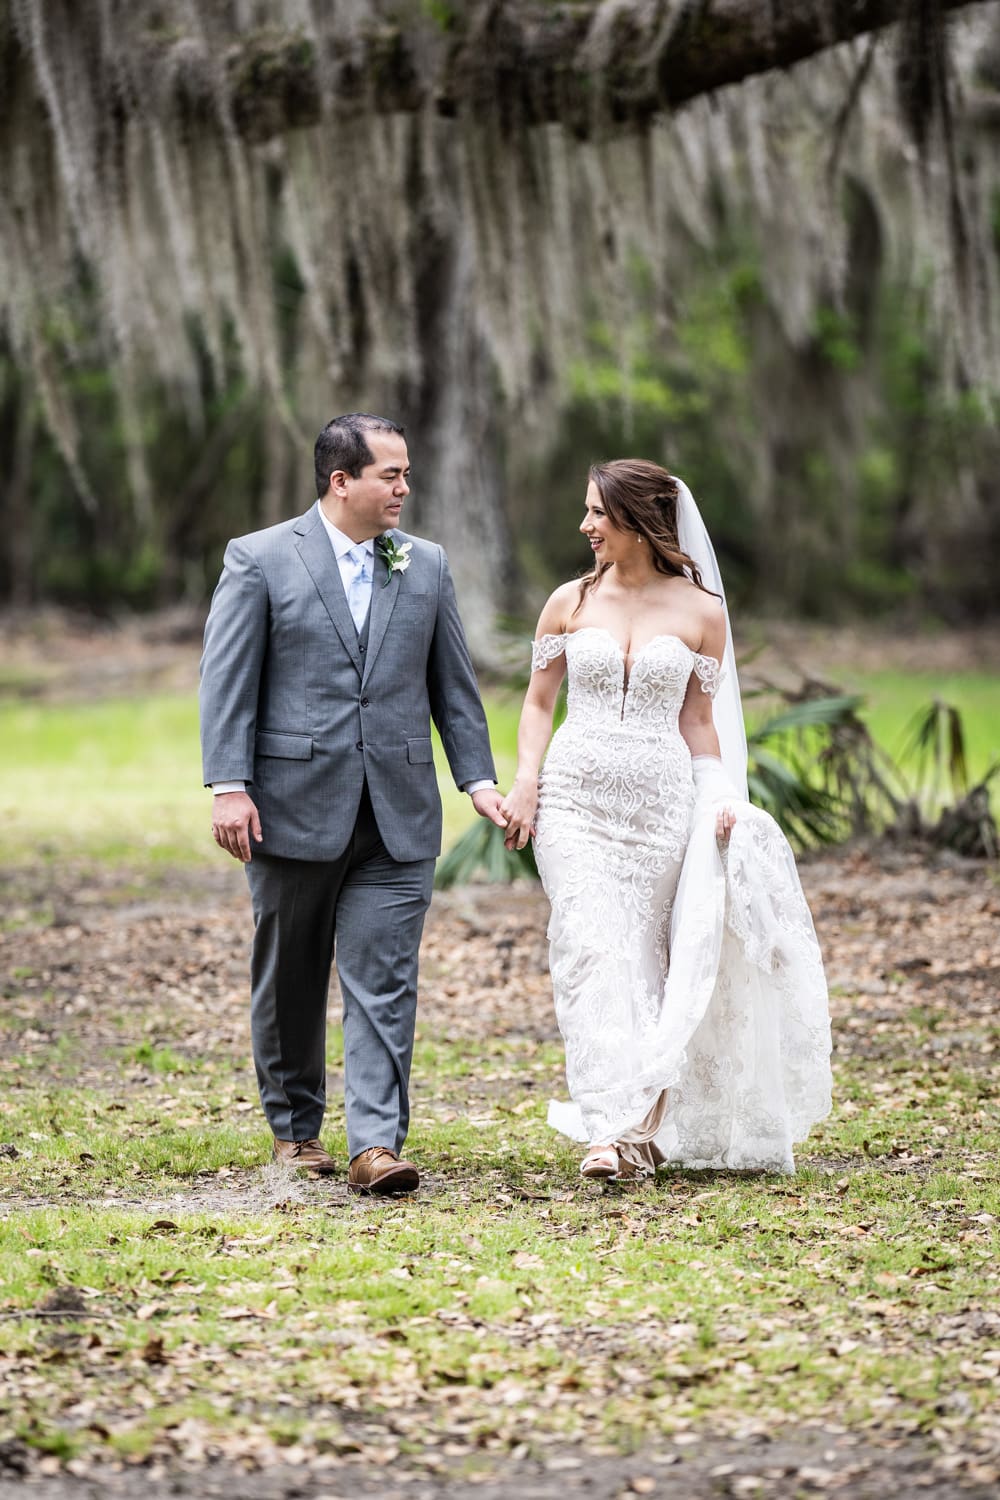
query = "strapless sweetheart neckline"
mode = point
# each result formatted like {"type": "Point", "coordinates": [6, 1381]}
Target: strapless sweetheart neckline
{"type": "Point", "coordinates": [665, 635]}
{"type": "Point", "coordinates": [629, 668]}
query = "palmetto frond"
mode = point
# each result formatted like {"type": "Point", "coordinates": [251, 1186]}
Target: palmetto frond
{"type": "Point", "coordinates": [479, 854]}
{"type": "Point", "coordinates": [936, 741]}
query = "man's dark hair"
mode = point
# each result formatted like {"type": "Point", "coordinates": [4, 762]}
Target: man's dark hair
{"type": "Point", "coordinates": [342, 445]}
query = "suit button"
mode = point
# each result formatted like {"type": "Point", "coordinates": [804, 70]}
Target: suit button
{"type": "Point", "coordinates": [365, 702]}
{"type": "Point", "coordinates": [360, 745]}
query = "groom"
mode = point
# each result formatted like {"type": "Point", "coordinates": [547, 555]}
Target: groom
{"type": "Point", "coordinates": [332, 642]}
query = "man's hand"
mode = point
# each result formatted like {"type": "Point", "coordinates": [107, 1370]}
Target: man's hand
{"type": "Point", "coordinates": [487, 804]}
{"type": "Point", "coordinates": [234, 818]}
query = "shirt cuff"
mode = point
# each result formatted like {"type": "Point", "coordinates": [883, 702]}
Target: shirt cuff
{"type": "Point", "coordinates": [218, 787]}
{"type": "Point", "coordinates": [477, 786]}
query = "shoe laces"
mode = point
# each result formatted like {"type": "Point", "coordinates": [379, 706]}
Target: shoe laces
{"type": "Point", "coordinates": [301, 1146]}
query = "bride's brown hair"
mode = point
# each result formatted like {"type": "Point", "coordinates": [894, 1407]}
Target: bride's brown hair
{"type": "Point", "coordinates": [642, 497]}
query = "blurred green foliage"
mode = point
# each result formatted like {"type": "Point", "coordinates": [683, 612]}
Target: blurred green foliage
{"type": "Point", "coordinates": [840, 473]}
{"type": "Point", "coordinates": [827, 469]}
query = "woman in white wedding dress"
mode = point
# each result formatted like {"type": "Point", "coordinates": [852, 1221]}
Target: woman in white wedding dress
{"type": "Point", "coordinates": [687, 979]}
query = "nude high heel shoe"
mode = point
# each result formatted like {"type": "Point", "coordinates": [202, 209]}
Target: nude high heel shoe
{"type": "Point", "coordinates": [600, 1162]}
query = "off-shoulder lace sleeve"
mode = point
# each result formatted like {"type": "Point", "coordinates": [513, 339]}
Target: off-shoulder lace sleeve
{"type": "Point", "coordinates": [709, 672]}
{"type": "Point", "coordinates": [546, 649]}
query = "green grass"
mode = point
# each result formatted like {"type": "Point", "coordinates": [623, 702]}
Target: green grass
{"type": "Point", "coordinates": [229, 1304]}
{"type": "Point", "coordinates": [892, 699]}
{"type": "Point", "coordinates": [120, 779]}
{"type": "Point", "coordinates": [510, 1301]}
{"type": "Point", "coordinates": [115, 779]}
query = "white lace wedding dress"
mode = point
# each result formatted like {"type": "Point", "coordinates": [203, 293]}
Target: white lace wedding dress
{"type": "Point", "coordinates": [688, 983]}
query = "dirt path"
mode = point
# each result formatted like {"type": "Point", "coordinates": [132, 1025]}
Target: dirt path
{"type": "Point", "coordinates": [814, 1463]}
{"type": "Point", "coordinates": [162, 960]}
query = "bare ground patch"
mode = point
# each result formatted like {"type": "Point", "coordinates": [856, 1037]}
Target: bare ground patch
{"type": "Point", "coordinates": [99, 965]}
{"type": "Point", "coordinates": [812, 1462]}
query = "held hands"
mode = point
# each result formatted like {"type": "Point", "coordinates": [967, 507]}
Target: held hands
{"type": "Point", "coordinates": [234, 818]}
{"type": "Point", "coordinates": [519, 807]}
{"type": "Point", "coordinates": [488, 804]}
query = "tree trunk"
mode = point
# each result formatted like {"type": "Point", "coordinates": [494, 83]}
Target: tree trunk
{"type": "Point", "coordinates": [455, 440]}
{"type": "Point", "coordinates": [279, 466]}
{"type": "Point", "coordinates": [17, 509]}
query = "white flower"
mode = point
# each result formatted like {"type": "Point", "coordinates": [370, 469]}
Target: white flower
{"type": "Point", "coordinates": [396, 559]}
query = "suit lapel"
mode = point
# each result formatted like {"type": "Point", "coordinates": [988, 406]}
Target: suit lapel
{"type": "Point", "coordinates": [314, 548]}
{"type": "Point", "coordinates": [383, 602]}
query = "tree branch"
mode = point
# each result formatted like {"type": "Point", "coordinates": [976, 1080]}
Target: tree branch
{"type": "Point", "coordinates": [537, 61]}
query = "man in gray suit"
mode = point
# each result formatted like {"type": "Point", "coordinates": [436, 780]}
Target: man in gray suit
{"type": "Point", "coordinates": [332, 642]}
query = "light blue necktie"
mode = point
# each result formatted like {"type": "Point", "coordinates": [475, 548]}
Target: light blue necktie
{"type": "Point", "coordinates": [359, 591]}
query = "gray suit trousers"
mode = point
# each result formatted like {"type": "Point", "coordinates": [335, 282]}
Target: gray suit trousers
{"type": "Point", "coordinates": [366, 911]}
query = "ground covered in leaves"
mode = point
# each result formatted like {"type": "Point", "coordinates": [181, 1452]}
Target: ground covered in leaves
{"type": "Point", "coordinates": [178, 1316]}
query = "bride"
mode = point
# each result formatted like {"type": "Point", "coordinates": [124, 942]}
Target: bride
{"type": "Point", "coordinates": [688, 983]}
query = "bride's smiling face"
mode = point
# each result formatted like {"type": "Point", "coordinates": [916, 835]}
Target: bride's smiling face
{"type": "Point", "coordinates": [597, 526]}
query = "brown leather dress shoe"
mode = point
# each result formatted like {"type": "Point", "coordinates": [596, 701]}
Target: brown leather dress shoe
{"type": "Point", "coordinates": [379, 1170]}
{"type": "Point", "coordinates": [306, 1156]}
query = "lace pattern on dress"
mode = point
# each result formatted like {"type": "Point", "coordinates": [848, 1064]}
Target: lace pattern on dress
{"type": "Point", "coordinates": [616, 801]}
{"type": "Point", "coordinates": [672, 968]}
{"type": "Point", "coordinates": [709, 672]}
{"type": "Point", "coordinates": [546, 649]}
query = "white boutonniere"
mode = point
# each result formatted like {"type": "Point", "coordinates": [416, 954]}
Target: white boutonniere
{"type": "Point", "coordinates": [396, 559]}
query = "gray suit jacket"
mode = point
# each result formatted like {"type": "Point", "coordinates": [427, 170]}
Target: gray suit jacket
{"type": "Point", "coordinates": [292, 705]}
